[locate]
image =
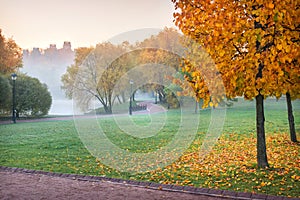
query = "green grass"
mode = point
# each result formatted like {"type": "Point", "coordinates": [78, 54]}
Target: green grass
{"type": "Point", "coordinates": [131, 143]}
{"type": "Point", "coordinates": [116, 109]}
{"type": "Point", "coordinates": [55, 146]}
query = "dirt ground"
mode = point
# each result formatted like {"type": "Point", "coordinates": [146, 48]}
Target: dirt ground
{"type": "Point", "coordinates": [14, 185]}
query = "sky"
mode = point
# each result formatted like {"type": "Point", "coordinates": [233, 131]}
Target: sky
{"type": "Point", "coordinates": [39, 23]}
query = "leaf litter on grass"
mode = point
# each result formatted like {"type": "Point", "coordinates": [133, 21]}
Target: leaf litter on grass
{"type": "Point", "coordinates": [232, 166]}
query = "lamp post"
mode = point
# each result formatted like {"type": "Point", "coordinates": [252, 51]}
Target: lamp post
{"type": "Point", "coordinates": [14, 78]}
{"type": "Point", "coordinates": [130, 101]}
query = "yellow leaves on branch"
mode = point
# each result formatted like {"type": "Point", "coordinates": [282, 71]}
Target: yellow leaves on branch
{"type": "Point", "coordinates": [242, 35]}
{"type": "Point", "coordinates": [10, 55]}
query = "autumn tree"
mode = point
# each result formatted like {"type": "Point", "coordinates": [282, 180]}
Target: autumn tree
{"type": "Point", "coordinates": [69, 78]}
{"type": "Point", "coordinates": [255, 45]}
{"type": "Point", "coordinates": [10, 55]}
{"type": "Point", "coordinates": [161, 50]}
{"type": "Point", "coordinates": [93, 76]}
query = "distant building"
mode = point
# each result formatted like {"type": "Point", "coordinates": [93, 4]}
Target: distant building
{"type": "Point", "coordinates": [67, 45]}
{"type": "Point", "coordinates": [67, 48]}
{"type": "Point", "coordinates": [25, 53]}
{"type": "Point", "coordinates": [51, 51]}
{"type": "Point", "coordinates": [48, 65]}
{"type": "Point", "coordinates": [35, 52]}
{"type": "Point", "coordinates": [52, 46]}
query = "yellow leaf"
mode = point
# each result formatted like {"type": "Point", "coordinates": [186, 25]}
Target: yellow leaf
{"type": "Point", "coordinates": [295, 177]}
{"type": "Point", "coordinates": [222, 52]}
{"type": "Point", "coordinates": [287, 48]}
{"type": "Point", "coordinates": [270, 5]}
{"type": "Point", "coordinates": [279, 46]}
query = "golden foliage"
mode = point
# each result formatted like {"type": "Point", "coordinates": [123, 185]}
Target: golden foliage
{"type": "Point", "coordinates": [10, 55]}
{"type": "Point", "coordinates": [241, 37]}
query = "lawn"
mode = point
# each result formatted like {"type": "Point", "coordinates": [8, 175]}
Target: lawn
{"type": "Point", "coordinates": [231, 165]}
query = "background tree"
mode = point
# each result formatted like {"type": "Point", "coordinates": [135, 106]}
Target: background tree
{"type": "Point", "coordinates": [255, 45]}
{"type": "Point", "coordinates": [69, 78]}
{"type": "Point", "coordinates": [172, 100]}
{"type": "Point", "coordinates": [93, 75]}
{"type": "Point", "coordinates": [5, 94]}
{"type": "Point", "coordinates": [159, 49]}
{"type": "Point", "coordinates": [101, 72]}
{"type": "Point", "coordinates": [10, 55]}
{"type": "Point", "coordinates": [32, 97]}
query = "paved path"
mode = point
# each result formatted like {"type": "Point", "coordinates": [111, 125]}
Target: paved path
{"type": "Point", "coordinates": [151, 109]}
{"type": "Point", "coordinates": [17, 183]}
{"type": "Point", "coordinates": [14, 185]}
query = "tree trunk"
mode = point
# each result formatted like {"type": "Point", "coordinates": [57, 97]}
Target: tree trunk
{"type": "Point", "coordinates": [162, 96]}
{"type": "Point", "coordinates": [262, 160]}
{"type": "Point", "coordinates": [120, 102]}
{"type": "Point", "coordinates": [196, 106]}
{"type": "Point", "coordinates": [291, 118]}
{"type": "Point", "coordinates": [133, 95]}
{"type": "Point", "coordinates": [123, 97]}
{"type": "Point", "coordinates": [107, 109]}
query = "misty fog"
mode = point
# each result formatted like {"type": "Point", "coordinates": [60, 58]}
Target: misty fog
{"type": "Point", "coordinates": [48, 65]}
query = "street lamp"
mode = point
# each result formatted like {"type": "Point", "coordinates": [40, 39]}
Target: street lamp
{"type": "Point", "coordinates": [130, 101]}
{"type": "Point", "coordinates": [14, 78]}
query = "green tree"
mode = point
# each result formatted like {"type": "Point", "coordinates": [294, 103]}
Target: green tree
{"type": "Point", "coordinates": [32, 97]}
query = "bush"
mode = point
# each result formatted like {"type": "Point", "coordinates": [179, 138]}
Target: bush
{"type": "Point", "coordinates": [32, 97]}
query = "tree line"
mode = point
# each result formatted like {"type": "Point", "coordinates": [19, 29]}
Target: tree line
{"type": "Point", "coordinates": [104, 72]}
